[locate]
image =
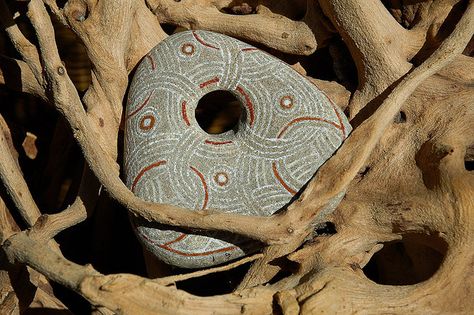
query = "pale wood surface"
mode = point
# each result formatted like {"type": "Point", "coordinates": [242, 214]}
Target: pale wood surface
{"type": "Point", "coordinates": [403, 167]}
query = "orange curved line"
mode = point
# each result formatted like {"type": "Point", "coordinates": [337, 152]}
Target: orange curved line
{"type": "Point", "coordinates": [282, 182]}
{"type": "Point", "coordinates": [217, 142]}
{"type": "Point", "coordinates": [211, 81]}
{"type": "Point", "coordinates": [150, 58]}
{"type": "Point", "coordinates": [248, 103]}
{"type": "Point", "coordinates": [143, 171]}
{"type": "Point", "coordinates": [184, 114]}
{"type": "Point", "coordinates": [297, 120]}
{"type": "Point", "coordinates": [199, 39]}
{"type": "Point", "coordinates": [179, 238]}
{"type": "Point", "coordinates": [141, 106]}
{"type": "Point", "coordinates": [341, 124]}
{"type": "Point", "coordinates": [206, 193]}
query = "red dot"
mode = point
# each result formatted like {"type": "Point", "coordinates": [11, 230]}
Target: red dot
{"type": "Point", "coordinates": [188, 49]}
{"type": "Point", "coordinates": [286, 102]}
{"type": "Point", "coordinates": [147, 122]}
{"type": "Point", "coordinates": [221, 178]}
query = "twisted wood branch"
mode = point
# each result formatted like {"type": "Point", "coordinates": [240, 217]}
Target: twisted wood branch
{"type": "Point", "coordinates": [324, 267]}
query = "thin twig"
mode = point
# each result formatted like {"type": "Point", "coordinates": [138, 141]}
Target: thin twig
{"type": "Point", "coordinates": [177, 278]}
{"type": "Point", "coordinates": [49, 225]}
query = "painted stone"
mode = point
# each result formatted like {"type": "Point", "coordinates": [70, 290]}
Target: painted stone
{"type": "Point", "coordinates": [288, 129]}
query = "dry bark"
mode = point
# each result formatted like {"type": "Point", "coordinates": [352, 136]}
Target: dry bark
{"type": "Point", "coordinates": [402, 168]}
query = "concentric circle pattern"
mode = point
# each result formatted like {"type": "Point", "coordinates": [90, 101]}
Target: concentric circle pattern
{"type": "Point", "coordinates": [288, 130]}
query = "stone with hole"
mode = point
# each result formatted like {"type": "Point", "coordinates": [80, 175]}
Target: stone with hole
{"type": "Point", "coordinates": [285, 130]}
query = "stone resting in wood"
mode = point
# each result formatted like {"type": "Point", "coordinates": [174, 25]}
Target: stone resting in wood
{"type": "Point", "coordinates": [288, 130]}
{"type": "Point", "coordinates": [405, 167]}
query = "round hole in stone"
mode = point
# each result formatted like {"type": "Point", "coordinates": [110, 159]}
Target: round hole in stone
{"type": "Point", "coordinates": [218, 112]}
{"type": "Point", "coordinates": [413, 259]}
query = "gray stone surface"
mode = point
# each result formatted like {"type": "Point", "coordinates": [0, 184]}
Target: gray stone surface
{"type": "Point", "coordinates": [289, 129]}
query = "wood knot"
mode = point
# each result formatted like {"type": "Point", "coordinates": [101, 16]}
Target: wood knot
{"type": "Point", "coordinates": [7, 243]}
{"type": "Point", "coordinates": [354, 266]}
{"type": "Point", "coordinates": [79, 16]}
{"type": "Point", "coordinates": [78, 11]}
{"type": "Point", "coordinates": [61, 70]}
{"type": "Point", "coordinates": [400, 118]}
{"type": "Point", "coordinates": [242, 9]}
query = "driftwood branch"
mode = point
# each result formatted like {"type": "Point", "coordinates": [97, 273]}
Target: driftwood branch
{"type": "Point", "coordinates": [270, 29]}
{"type": "Point", "coordinates": [403, 168]}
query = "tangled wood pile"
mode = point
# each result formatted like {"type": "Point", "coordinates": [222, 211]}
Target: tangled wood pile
{"type": "Point", "coordinates": [400, 241]}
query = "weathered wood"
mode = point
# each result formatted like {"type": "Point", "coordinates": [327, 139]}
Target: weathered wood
{"type": "Point", "coordinates": [403, 168]}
